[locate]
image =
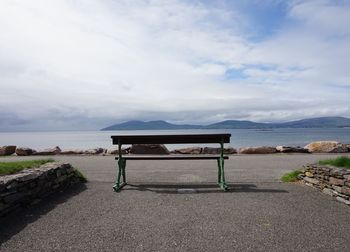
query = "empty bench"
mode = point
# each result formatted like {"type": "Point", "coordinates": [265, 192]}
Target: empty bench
{"type": "Point", "coordinates": [220, 139]}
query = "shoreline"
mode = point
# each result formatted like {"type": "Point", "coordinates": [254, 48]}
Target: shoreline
{"type": "Point", "coordinates": [159, 149]}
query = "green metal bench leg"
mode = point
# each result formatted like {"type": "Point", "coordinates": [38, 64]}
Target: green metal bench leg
{"type": "Point", "coordinates": [221, 169]}
{"type": "Point", "coordinates": [222, 182]}
{"type": "Point", "coordinates": [121, 172]}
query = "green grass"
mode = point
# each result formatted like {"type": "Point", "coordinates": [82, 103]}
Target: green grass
{"type": "Point", "coordinates": [13, 167]}
{"type": "Point", "coordinates": [291, 176]}
{"type": "Point", "coordinates": [339, 162]}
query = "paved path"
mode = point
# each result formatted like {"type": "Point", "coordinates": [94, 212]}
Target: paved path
{"type": "Point", "coordinates": [258, 214]}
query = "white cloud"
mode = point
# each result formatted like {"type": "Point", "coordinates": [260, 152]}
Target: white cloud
{"type": "Point", "coordinates": [73, 62]}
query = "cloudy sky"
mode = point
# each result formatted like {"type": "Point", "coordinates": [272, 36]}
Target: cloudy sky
{"type": "Point", "coordinates": [86, 64]}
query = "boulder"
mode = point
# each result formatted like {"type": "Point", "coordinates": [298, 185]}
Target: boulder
{"type": "Point", "coordinates": [51, 151]}
{"type": "Point", "coordinates": [115, 151]}
{"type": "Point", "coordinates": [290, 149]}
{"type": "Point", "coordinates": [112, 152]}
{"type": "Point", "coordinates": [148, 149]}
{"type": "Point", "coordinates": [24, 151]}
{"type": "Point", "coordinates": [189, 150]}
{"type": "Point", "coordinates": [258, 150]}
{"type": "Point", "coordinates": [348, 146]}
{"type": "Point", "coordinates": [72, 152]}
{"type": "Point", "coordinates": [7, 150]}
{"type": "Point", "coordinates": [211, 150]}
{"type": "Point", "coordinates": [326, 147]}
{"type": "Point", "coordinates": [230, 150]}
{"type": "Point", "coordinates": [95, 151]}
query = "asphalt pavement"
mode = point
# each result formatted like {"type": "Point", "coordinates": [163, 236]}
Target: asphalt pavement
{"type": "Point", "coordinates": [176, 206]}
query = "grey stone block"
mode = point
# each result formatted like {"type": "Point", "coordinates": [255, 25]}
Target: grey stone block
{"type": "Point", "coordinates": [329, 191]}
{"type": "Point", "coordinates": [340, 199]}
{"type": "Point", "coordinates": [311, 180]}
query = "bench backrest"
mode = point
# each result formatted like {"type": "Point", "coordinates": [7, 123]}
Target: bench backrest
{"type": "Point", "coordinates": [171, 139]}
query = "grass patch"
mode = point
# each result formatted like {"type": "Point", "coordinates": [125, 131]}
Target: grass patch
{"type": "Point", "coordinates": [339, 162]}
{"type": "Point", "coordinates": [291, 176]}
{"type": "Point", "coordinates": [80, 175]}
{"type": "Point", "coordinates": [13, 167]}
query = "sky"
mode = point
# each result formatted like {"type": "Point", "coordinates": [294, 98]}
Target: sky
{"type": "Point", "coordinates": [87, 64]}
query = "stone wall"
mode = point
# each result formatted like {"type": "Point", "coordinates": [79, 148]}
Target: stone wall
{"type": "Point", "coordinates": [331, 180]}
{"type": "Point", "coordinates": [30, 186]}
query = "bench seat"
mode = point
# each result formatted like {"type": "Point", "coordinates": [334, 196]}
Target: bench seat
{"type": "Point", "coordinates": [170, 139]}
{"type": "Point", "coordinates": [171, 157]}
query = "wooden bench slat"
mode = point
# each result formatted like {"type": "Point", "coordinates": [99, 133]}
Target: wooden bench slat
{"type": "Point", "coordinates": [171, 139]}
{"type": "Point", "coordinates": [171, 157]}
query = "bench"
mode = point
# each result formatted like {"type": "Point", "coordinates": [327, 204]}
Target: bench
{"type": "Point", "coordinates": [170, 139]}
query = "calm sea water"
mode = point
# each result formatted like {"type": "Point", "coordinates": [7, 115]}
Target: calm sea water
{"type": "Point", "coordinates": [239, 138]}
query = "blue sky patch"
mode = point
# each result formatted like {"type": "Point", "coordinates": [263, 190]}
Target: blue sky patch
{"type": "Point", "coordinates": [234, 74]}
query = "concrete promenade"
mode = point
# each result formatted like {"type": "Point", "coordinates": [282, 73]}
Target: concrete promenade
{"type": "Point", "coordinates": [259, 213]}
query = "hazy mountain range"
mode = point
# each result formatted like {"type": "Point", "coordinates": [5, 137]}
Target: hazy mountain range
{"type": "Point", "coordinates": [320, 122]}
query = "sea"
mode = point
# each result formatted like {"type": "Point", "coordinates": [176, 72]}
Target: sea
{"type": "Point", "coordinates": [239, 137]}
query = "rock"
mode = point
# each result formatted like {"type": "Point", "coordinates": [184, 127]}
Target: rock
{"type": "Point", "coordinates": [337, 189]}
{"type": "Point", "coordinates": [29, 175]}
{"type": "Point", "coordinates": [309, 174]}
{"type": "Point", "coordinates": [12, 185]}
{"type": "Point", "coordinates": [339, 172]}
{"type": "Point", "coordinates": [230, 150]}
{"type": "Point", "coordinates": [348, 146]}
{"type": "Point", "coordinates": [311, 180]}
{"type": "Point", "coordinates": [300, 176]}
{"type": "Point", "coordinates": [7, 150]}
{"type": "Point", "coordinates": [347, 202]}
{"type": "Point", "coordinates": [347, 177]}
{"type": "Point", "coordinates": [72, 152]}
{"type": "Point", "coordinates": [14, 197]}
{"type": "Point", "coordinates": [95, 151]}
{"type": "Point", "coordinates": [337, 182]}
{"type": "Point", "coordinates": [112, 151]}
{"type": "Point", "coordinates": [345, 190]}
{"type": "Point", "coordinates": [52, 151]}
{"type": "Point", "coordinates": [3, 206]}
{"type": "Point", "coordinates": [148, 149]}
{"type": "Point", "coordinates": [211, 150]}
{"type": "Point", "coordinates": [326, 147]}
{"type": "Point", "coordinates": [115, 151]}
{"type": "Point", "coordinates": [289, 149]}
{"type": "Point", "coordinates": [189, 150]}
{"type": "Point", "coordinates": [329, 192]}
{"type": "Point", "coordinates": [24, 151]}
{"type": "Point", "coordinates": [257, 150]}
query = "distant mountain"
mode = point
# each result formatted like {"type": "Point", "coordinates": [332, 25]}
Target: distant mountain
{"type": "Point", "coordinates": [151, 125]}
{"type": "Point", "coordinates": [236, 124]}
{"type": "Point", "coordinates": [320, 122]}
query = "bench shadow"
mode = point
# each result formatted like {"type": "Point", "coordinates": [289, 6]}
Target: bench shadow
{"type": "Point", "coordinates": [14, 222]}
{"type": "Point", "coordinates": [199, 188]}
